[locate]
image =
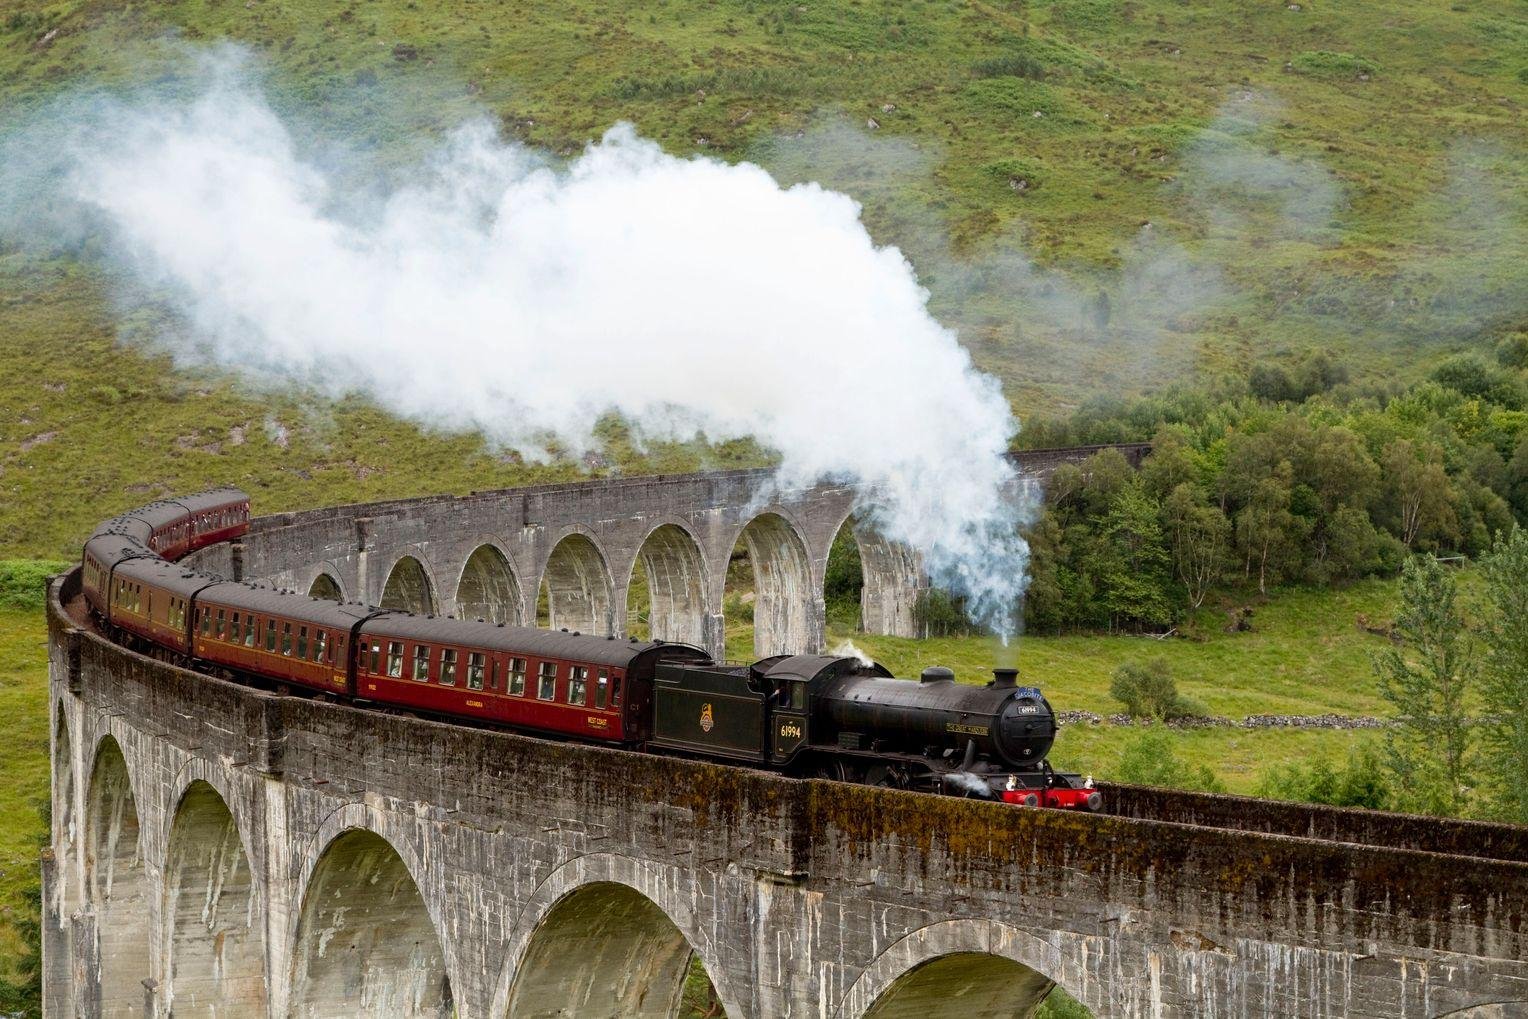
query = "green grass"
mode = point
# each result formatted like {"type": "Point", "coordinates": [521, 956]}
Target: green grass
{"type": "Point", "coordinates": [23, 764]}
{"type": "Point", "coordinates": [1304, 656]}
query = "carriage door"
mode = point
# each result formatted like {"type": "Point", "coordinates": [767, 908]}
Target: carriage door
{"type": "Point", "coordinates": [789, 721]}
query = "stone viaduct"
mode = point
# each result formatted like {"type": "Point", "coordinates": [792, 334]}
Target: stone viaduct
{"type": "Point", "coordinates": [221, 851]}
{"type": "Point", "coordinates": [488, 554]}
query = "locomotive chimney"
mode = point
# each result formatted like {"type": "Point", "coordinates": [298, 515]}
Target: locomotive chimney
{"type": "Point", "coordinates": [1004, 679]}
{"type": "Point", "coordinates": [937, 674]}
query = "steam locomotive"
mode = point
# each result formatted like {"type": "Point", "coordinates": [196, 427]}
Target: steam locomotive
{"type": "Point", "coordinates": [804, 715]}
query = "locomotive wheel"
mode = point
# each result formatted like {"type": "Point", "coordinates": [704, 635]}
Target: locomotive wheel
{"type": "Point", "coordinates": [837, 770]}
{"type": "Point", "coordinates": [886, 775]}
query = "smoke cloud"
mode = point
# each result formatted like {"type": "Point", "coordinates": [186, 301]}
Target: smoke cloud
{"type": "Point", "coordinates": [497, 292]}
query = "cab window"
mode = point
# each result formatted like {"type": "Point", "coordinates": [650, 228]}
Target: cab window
{"type": "Point", "coordinates": [448, 666]}
{"type": "Point", "coordinates": [517, 677]}
{"type": "Point", "coordinates": [546, 681]}
{"type": "Point", "coordinates": [422, 662]}
{"type": "Point", "coordinates": [798, 696]}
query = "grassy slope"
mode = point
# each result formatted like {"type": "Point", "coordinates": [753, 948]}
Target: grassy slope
{"type": "Point", "coordinates": [23, 760]}
{"type": "Point", "coordinates": [1126, 89]}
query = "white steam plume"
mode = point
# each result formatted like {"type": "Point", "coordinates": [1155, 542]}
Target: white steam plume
{"type": "Point", "coordinates": [501, 294]}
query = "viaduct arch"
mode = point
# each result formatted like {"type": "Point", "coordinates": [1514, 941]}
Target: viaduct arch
{"type": "Point", "coordinates": [288, 834]}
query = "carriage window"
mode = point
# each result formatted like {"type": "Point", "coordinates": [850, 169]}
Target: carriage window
{"type": "Point", "coordinates": [546, 681]}
{"type": "Point", "coordinates": [602, 689]}
{"type": "Point", "coordinates": [517, 677]}
{"type": "Point", "coordinates": [220, 625]}
{"type": "Point", "coordinates": [615, 692]}
{"type": "Point", "coordinates": [286, 639]}
{"type": "Point", "coordinates": [151, 603]}
{"type": "Point", "coordinates": [376, 654]}
{"type": "Point", "coordinates": [578, 682]}
{"type": "Point", "coordinates": [249, 631]}
{"type": "Point", "coordinates": [395, 658]}
{"type": "Point", "coordinates": [474, 670]}
{"type": "Point", "coordinates": [137, 597]}
{"type": "Point", "coordinates": [233, 629]}
{"type": "Point", "coordinates": [493, 674]}
{"type": "Point", "coordinates": [206, 621]}
{"type": "Point", "coordinates": [448, 666]}
{"type": "Point", "coordinates": [422, 663]}
{"type": "Point", "coordinates": [302, 642]}
{"type": "Point", "coordinates": [270, 635]}
{"type": "Point", "coordinates": [320, 644]}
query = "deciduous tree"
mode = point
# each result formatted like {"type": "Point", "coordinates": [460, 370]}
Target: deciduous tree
{"type": "Point", "coordinates": [1425, 677]}
{"type": "Point", "coordinates": [1504, 675]}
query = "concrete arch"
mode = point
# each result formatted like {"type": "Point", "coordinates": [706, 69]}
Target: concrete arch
{"type": "Point", "coordinates": [117, 884]}
{"type": "Point", "coordinates": [327, 586]}
{"type": "Point", "coordinates": [622, 935]}
{"type": "Point", "coordinates": [675, 567]}
{"type": "Point", "coordinates": [366, 944]}
{"type": "Point", "coordinates": [488, 587]}
{"type": "Point", "coordinates": [580, 590]}
{"type": "Point", "coordinates": [959, 968]}
{"type": "Point", "coordinates": [787, 611]}
{"type": "Point", "coordinates": [893, 578]}
{"type": "Point", "coordinates": [410, 587]}
{"type": "Point", "coordinates": [214, 942]}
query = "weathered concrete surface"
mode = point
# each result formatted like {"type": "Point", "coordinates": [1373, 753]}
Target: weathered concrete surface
{"type": "Point", "coordinates": [487, 555]}
{"type": "Point", "coordinates": [400, 866]}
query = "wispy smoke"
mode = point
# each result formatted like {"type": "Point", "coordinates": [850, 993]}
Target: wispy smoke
{"type": "Point", "coordinates": [496, 292]}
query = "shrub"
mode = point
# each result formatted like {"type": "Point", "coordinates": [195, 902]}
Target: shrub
{"type": "Point", "coordinates": [1327, 64]}
{"type": "Point", "coordinates": [1512, 352]}
{"type": "Point", "coordinates": [1360, 782]}
{"type": "Point", "coordinates": [1149, 759]}
{"type": "Point", "coordinates": [22, 581]}
{"type": "Point", "coordinates": [1147, 690]}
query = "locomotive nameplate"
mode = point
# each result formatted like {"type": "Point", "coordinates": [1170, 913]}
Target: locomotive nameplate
{"type": "Point", "coordinates": [966, 730]}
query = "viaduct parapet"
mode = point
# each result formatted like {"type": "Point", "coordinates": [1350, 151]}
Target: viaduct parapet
{"type": "Point", "coordinates": [486, 555]}
{"type": "Point", "coordinates": [219, 851]}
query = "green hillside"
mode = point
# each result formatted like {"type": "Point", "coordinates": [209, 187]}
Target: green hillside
{"type": "Point", "coordinates": [1102, 195]}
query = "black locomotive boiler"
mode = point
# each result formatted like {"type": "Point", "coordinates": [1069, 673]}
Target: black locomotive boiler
{"type": "Point", "coordinates": [849, 720]}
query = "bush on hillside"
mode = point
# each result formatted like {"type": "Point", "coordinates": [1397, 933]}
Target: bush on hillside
{"type": "Point", "coordinates": [1327, 64]}
{"type": "Point", "coordinates": [1360, 782]}
{"type": "Point", "coordinates": [1147, 690]}
{"type": "Point", "coordinates": [1150, 759]}
{"type": "Point", "coordinates": [23, 581]}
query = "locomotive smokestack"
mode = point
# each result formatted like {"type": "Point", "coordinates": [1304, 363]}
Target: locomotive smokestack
{"type": "Point", "coordinates": [937, 674]}
{"type": "Point", "coordinates": [1005, 679]}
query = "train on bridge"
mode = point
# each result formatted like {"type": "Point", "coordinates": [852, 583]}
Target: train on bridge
{"type": "Point", "coordinates": [803, 715]}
